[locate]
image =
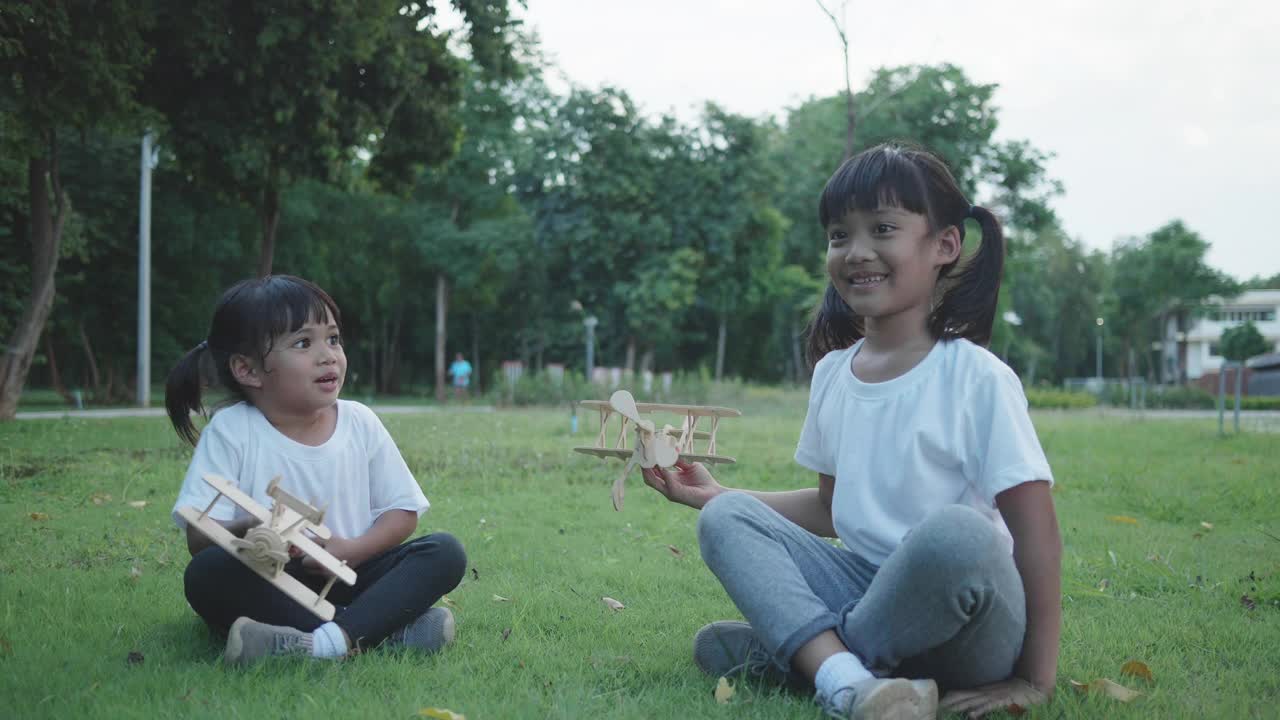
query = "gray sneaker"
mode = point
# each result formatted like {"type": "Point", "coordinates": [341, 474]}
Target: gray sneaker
{"type": "Point", "coordinates": [728, 648]}
{"type": "Point", "coordinates": [429, 633]}
{"type": "Point", "coordinates": [249, 641]}
{"type": "Point", "coordinates": [883, 699]}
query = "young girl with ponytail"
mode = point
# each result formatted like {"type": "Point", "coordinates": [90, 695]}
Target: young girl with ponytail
{"type": "Point", "coordinates": [928, 470]}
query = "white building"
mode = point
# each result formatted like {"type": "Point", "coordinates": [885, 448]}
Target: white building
{"type": "Point", "coordinates": [1197, 349]}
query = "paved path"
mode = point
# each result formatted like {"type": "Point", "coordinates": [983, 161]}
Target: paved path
{"type": "Point", "coordinates": [1267, 420]}
{"type": "Point", "coordinates": [159, 412]}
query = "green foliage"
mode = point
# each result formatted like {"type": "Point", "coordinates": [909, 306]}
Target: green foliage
{"type": "Point", "coordinates": [1241, 342]}
{"type": "Point", "coordinates": [1259, 402]}
{"type": "Point", "coordinates": [1044, 399]}
{"type": "Point", "coordinates": [1180, 397]}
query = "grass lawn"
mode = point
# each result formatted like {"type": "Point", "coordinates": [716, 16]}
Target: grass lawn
{"type": "Point", "coordinates": [88, 580]}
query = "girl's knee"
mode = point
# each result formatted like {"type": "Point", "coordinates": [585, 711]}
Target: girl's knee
{"type": "Point", "coordinates": [447, 555]}
{"type": "Point", "coordinates": [957, 534]}
{"type": "Point", "coordinates": [724, 513]}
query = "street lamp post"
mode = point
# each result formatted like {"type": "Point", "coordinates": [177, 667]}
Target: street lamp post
{"type": "Point", "coordinates": [590, 322]}
{"type": "Point", "coordinates": [1098, 351]}
{"type": "Point", "coordinates": [150, 157]}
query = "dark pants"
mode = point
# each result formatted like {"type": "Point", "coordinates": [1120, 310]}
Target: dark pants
{"type": "Point", "coordinates": [391, 590]}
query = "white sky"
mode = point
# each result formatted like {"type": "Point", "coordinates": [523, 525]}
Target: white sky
{"type": "Point", "coordinates": [1155, 110]}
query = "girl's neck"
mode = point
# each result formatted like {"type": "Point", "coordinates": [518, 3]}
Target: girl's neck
{"type": "Point", "coordinates": [309, 428]}
{"type": "Point", "coordinates": [892, 345]}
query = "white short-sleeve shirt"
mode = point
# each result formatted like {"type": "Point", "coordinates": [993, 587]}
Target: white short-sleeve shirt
{"type": "Point", "coordinates": [355, 476]}
{"type": "Point", "coordinates": [952, 430]}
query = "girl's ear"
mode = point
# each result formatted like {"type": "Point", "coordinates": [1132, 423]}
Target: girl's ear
{"type": "Point", "coordinates": [948, 246]}
{"type": "Point", "coordinates": [245, 372]}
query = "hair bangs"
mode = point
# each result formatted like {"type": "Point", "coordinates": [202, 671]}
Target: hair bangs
{"type": "Point", "coordinates": [882, 177]}
{"type": "Point", "coordinates": [281, 304]}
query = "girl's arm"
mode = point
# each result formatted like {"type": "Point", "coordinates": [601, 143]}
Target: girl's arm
{"type": "Point", "coordinates": [197, 541]}
{"type": "Point", "coordinates": [693, 485]}
{"type": "Point", "coordinates": [389, 530]}
{"type": "Point", "coordinates": [1037, 551]}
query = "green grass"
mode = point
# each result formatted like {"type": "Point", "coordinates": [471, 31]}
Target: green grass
{"type": "Point", "coordinates": [540, 531]}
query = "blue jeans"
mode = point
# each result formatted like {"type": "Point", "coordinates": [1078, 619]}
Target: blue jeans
{"type": "Point", "coordinates": [947, 604]}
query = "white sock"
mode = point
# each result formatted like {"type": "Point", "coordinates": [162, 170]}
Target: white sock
{"type": "Point", "coordinates": [327, 641]}
{"type": "Point", "coordinates": [838, 672]}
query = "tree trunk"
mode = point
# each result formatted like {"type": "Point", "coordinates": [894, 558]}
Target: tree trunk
{"type": "Point", "coordinates": [629, 367]}
{"type": "Point", "coordinates": [720, 343]}
{"type": "Point", "coordinates": [391, 356]}
{"type": "Point", "coordinates": [849, 111]}
{"type": "Point", "coordinates": [476, 375]}
{"type": "Point", "coordinates": [55, 377]}
{"type": "Point", "coordinates": [797, 353]}
{"type": "Point", "coordinates": [442, 299]}
{"type": "Point", "coordinates": [95, 379]}
{"type": "Point", "coordinates": [47, 222]}
{"type": "Point", "coordinates": [269, 216]}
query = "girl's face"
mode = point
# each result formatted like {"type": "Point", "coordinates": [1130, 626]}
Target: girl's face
{"type": "Point", "coordinates": [305, 369]}
{"type": "Point", "coordinates": [884, 262]}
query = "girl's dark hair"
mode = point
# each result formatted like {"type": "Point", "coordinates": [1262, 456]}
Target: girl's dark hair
{"type": "Point", "coordinates": [248, 318]}
{"type": "Point", "coordinates": [911, 178]}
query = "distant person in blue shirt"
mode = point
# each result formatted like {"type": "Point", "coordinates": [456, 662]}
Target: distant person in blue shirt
{"type": "Point", "coordinates": [460, 371]}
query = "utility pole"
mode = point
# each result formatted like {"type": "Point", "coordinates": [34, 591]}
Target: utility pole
{"type": "Point", "coordinates": [150, 157]}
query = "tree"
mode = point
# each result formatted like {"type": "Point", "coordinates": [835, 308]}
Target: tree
{"type": "Point", "coordinates": [64, 66]}
{"type": "Point", "coordinates": [851, 117]}
{"type": "Point", "coordinates": [259, 95]}
{"type": "Point", "coordinates": [1242, 342]}
{"type": "Point", "coordinates": [1159, 280]}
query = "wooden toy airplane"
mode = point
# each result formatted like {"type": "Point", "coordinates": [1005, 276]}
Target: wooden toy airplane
{"type": "Point", "coordinates": [653, 447]}
{"type": "Point", "coordinates": [265, 548]}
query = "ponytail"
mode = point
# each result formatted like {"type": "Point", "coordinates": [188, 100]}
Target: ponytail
{"type": "Point", "coordinates": [968, 305]}
{"type": "Point", "coordinates": [182, 391]}
{"type": "Point", "coordinates": [832, 327]}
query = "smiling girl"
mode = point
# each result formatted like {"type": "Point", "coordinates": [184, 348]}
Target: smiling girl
{"type": "Point", "coordinates": [928, 469]}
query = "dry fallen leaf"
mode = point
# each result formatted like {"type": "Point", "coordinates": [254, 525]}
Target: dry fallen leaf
{"type": "Point", "coordinates": [724, 691]}
{"type": "Point", "coordinates": [441, 714]}
{"type": "Point", "coordinates": [1137, 669]}
{"type": "Point", "coordinates": [675, 550]}
{"type": "Point", "coordinates": [137, 504]}
{"type": "Point", "coordinates": [5, 647]}
{"type": "Point", "coordinates": [499, 598]}
{"type": "Point", "coordinates": [39, 516]}
{"type": "Point", "coordinates": [446, 600]}
{"type": "Point", "coordinates": [506, 633]}
{"type": "Point", "coordinates": [134, 573]}
{"type": "Point", "coordinates": [100, 498]}
{"type": "Point", "coordinates": [1248, 602]}
{"type": "Point", "coordinates": [1110, 688]}
{"type": "Point", "coordinates": [613, 604]}
{"type": "Point", "coordinates": [1206, 525]}
{"type": "Point", "coordinates": [1122, 519]}
{"type": "Point", "coordinates": [135, 657]}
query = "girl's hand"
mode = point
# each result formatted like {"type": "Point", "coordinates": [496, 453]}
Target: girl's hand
{"type": "Point", "coordinates": [339, 547]}
{"type": "Point", "coordinates": [687, 484]}
{"type": "Point", "coordinates": [996, 696]}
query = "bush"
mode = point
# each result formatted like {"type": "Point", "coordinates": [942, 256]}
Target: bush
{"type": "Point", "coordinates": [1180, 398]}
{"type": "Point", "coordinates": [687, 388]}
{"type": "Point", "coordinates": [1046, 399]}
{"type": "Point", "coordinates": [1256, 402]}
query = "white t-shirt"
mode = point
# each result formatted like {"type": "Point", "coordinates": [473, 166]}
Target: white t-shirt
{"type": "Point", "coordinates": [355, 476]}
{"type": "Point", "coordinates": [952, 430]}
